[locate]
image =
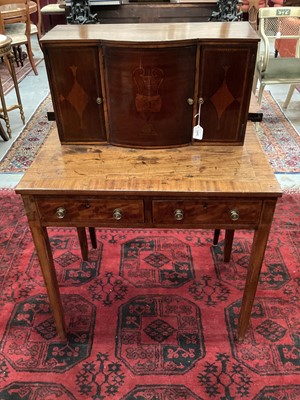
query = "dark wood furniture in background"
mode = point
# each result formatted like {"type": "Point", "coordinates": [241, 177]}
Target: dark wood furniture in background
{"type": "Point", "coordinates": [141, 86]}
{"type": "Point", "coordinates": [183, 11]}
{"type": "Point", "coordinates": [118, 12]}
{"type": "Point", "coordinates": [110, 12]}
{"type": "Point", "coordinates": [187, 187]}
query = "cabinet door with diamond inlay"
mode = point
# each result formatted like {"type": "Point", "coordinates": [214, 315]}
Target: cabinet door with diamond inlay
{"type": "Point", "coordinates": [225, 81]}
{"type": "Point", "coordinates": [74, 75]}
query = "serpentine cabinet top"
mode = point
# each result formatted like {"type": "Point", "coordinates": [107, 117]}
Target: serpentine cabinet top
{"type": "Point", "coordinates": [153, 32]}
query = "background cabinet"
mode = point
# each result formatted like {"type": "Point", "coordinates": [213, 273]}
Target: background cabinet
{"type": "Point", "coordinates": [141, 86]}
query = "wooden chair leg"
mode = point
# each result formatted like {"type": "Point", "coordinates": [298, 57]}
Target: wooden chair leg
{"type": "Point", "coordinates": [4, 114]}
{"type": "Point", "coordinates": [20, 56]}
{"type": "Point", "coordinates": [260, 92]}
{"type": "Point", "coordinates": [289, 96]}
{"type": "Point", "coordinates": [16, 55]}
{"type": "Point", "coordinates": [12, 71]}
{"type": "Point", "coordinates": [3, 134]}
{"type": "Point", "coordinates": [30, 56]}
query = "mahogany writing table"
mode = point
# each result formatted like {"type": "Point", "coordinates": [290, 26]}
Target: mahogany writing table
{"type": "Point", "coordinates": [215, 187]}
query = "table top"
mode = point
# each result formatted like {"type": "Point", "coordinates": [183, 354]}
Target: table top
{"type": "Point", "coordinates": [192, 170]}
{"type": "Point", "coordinates": [15, 9]}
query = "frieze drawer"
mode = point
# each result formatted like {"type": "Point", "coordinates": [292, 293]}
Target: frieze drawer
{"type": "Point", "coordinates": [202, 211]}
{"type": "Point", "coordinates": [91, 210]}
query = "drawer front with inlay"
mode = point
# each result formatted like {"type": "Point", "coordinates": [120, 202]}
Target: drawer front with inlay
{"type": "Point", "coordinates": [60, 210]}
{"type": "Point", "coordinates": [206, 211]}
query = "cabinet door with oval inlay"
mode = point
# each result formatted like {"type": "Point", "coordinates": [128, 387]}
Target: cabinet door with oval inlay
{"type": "Point", "coordinates": [225, 81]}
{"type": "Point", "coordinates": [74, 76]}
{"type": "Point", "coordinates": [150, 93]}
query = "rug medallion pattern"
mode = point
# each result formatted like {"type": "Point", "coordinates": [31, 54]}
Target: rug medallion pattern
{"type": "Point", "coordinates": [274, 276]}
{"type": "Point", "coordinates": [35, 391]}
{"type": "Point", "coordinates": [153, 392]}
{"type": "Point", "coordinates": [156, 262]}
{"type": "Point", "coordinates": [161, 334]}
{"type": "Point", "coordinates": [70, 268]}
{"type": "Point", "coordinates": [272, 345]}
{"type": "Point", "coordinates": [31, 341]}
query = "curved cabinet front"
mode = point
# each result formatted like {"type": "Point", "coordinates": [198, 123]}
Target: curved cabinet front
{"type": "Point", "coordinates": [148, 92]}
{"type": "Point", "coordinates": [145, 85]}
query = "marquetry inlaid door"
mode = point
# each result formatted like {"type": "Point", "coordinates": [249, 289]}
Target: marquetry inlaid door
{"type": "Point", "coordinates": [225, 80]}
{"type": "Point", "coordinates": [74, 74]}
{"type": "Point", "coordinates": [150, 95]}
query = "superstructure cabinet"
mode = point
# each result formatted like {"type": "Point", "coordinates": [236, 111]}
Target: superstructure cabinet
{"type": "Point", "coordinates": [148, 85]}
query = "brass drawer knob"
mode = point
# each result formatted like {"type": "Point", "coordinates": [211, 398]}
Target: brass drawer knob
{"type": "Point", "coordinates": [117, 214]}
{"type": "Point", "coordinates": [60, 212]}
{"type": "Point", "coordinates": [234, 215]}
{"type": "Point", "coordinates": [178, 214]}
{"type": "Point", "coordinates": [190, 101]}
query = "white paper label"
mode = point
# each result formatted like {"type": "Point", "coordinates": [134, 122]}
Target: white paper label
{"type": "Point", "coordinates": [198, 132]}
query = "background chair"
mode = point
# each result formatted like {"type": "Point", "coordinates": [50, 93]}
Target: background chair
{"type": "Point", "coordinates": [19, 28]}
{"type": "Point", "coordinates": [6, 55]}
{"type": "Point", "coordinates": [36, 18]}
{"type": "Point", "coordinates": [52, 10]}
{"type": "Point", "coordinates": [252, 7]}
{"type": "Point", "coordinates": [274, 24]}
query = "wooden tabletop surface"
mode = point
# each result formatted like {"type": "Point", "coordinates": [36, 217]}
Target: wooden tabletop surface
{"type": "Point", "coordinates": [153, 32]}
{"type": "Point", "coordinates": [97, 169]}
{"type": "Point", "coordinates": [15, 9]}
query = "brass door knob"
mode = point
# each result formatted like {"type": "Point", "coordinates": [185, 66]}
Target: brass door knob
{"type": "Point", "coordinates": [117, 214]}
{"type": "Point", "coordinates": [178, 214]}
{"type": "Point", "coordinates": [190, 101]}
{"type": "Point", "coordinates": [99, 100]}
{"type": "Point", "coordinates": [234, 215]}
{"type": "Point", "coordinates": [60, 212]}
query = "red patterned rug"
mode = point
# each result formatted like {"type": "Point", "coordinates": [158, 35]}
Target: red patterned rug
{"type": "Point", "coordinates": [151, 315]}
